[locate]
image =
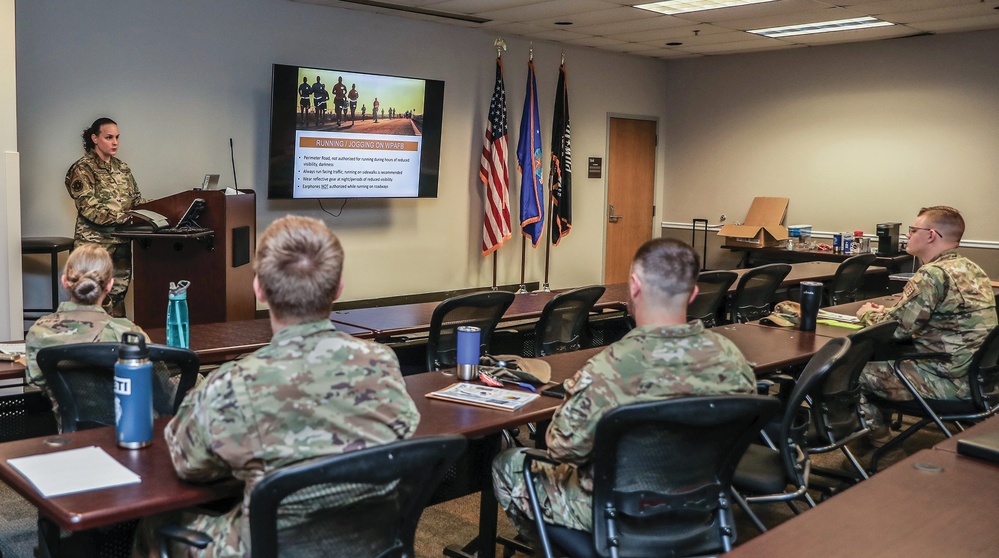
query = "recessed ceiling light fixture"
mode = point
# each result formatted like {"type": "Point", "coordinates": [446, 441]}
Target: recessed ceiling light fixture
{"type": "Point", "coordinates": [822, 27]}
{"type": "Point", "coordinates": [671, 7]}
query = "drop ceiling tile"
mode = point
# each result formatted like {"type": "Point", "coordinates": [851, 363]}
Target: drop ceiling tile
{"type": "Point", "coordinates": [671, 33]}
{"type": "Point", "coordinates": [477, 6]}
{"type": "Point", "coordinates": [990, 21]}
{"type": "Point", "coordinates": [613, 15]}
{"type": "Point", "coordinates": [716, 38]}
{"type": "Point", "coordinates": [647, 24]}
{"type": "Point", "coordinates": [852, 36]}
{"type": "Point", "coordinates": [594, 42]}
{"type": "Point", "coordinates": [734, 48]}
{"type": "Point", "coordinates": [957, 12]}
{"type": "Point", "coordinates": [766, 9]}
{"type": "Point", "coordinates": [811, 16]}
{"type": "Point", "coordinates": [545, 10]}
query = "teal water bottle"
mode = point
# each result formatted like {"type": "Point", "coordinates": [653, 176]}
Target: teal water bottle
{"type": "Point", "coordinates": [178, 328]}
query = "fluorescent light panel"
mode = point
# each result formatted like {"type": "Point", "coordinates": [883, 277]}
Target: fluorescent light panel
{"type": "Point", "coordinates": [822, 27]}
{"type": "Point", "coordinates": [671, 7]}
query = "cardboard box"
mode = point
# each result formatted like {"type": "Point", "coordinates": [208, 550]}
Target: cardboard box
{"type": "Point", "coordinates": [762, 226]}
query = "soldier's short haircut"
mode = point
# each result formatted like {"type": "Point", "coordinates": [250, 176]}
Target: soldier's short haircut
{"type": "Point", "coordinates": [88, 270]}
{"type": "Point", "coordinates": [669, 266]}
{"type": "Point", "coordinates": [95, 130]}
{"type": "Point", "coordinates": [298, 266]}
{"type": "Point", "coordinates": [945, 218]}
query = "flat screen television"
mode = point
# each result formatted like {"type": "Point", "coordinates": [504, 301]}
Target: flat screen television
{"type": "Point", "coordinates": [337, 134]}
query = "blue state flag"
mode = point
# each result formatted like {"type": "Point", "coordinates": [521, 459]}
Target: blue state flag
{"type": "Point", "coordinates": [532, 189]}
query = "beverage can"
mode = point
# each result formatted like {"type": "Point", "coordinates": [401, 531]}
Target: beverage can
{"type": "Point", "coordinates": [837, 242]}
{"type": "Point", "coordinates": [847, 245]}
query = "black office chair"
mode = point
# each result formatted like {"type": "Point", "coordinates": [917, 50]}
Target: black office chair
{"type": "Point", "coordinates": [661, 477]}
{"type": "Point", "coordinates": [767, 470]}
{"type": "Point", "coordinates": [844, 285]}
{"type": "Point", "coordinates": [983, 383]}
{"type": "Point", "coordinates": [81, 375]}
{"type": "Point", "coordinates": [562, 325]}
{"type": "Point", "coordinates": [483, 310]}
{"type": "Point", "coordinates": [712, 289]}
{"type": "Point", "coordinates": [837, 418]}
{"type": "Point", "coordinates": [755, 292]}
{"type": "Point", "coordinates": [364, 503]}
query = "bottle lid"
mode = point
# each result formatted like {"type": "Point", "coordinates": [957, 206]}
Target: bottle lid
{"type": "Point", "coordinates": [180, 287]}
{"type": "Point", "coordinates": [858, 233]}
{"type": "Point", "coordinates": [133, 346]}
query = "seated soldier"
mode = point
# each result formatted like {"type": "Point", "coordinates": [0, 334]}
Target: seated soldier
{"type": "Point", "coordinates": [312, 392]}
{"type": "Point", "coordinates": [663, 357]}
{"type": "Point", "coordinates": [948, 306]}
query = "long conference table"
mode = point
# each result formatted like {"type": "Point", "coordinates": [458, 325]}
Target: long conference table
{"type": "Point", "coordinates": [767, 349]}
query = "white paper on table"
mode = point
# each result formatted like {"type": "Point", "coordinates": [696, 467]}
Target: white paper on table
{"type": "Point", "coordinates": [71, 471]}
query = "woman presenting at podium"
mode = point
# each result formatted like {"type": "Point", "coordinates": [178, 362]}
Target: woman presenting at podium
{"type": "Point", "coordinates": [103, 189]}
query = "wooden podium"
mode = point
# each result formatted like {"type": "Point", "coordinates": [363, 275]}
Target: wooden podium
{"type": "Point", "coordinates": [218, 265]}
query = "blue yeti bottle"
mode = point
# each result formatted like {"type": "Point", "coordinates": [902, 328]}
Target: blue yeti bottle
{"type": "Point", "coordinates": [178, 330]}
{"type": "Point", "coordinates": [133, 393]}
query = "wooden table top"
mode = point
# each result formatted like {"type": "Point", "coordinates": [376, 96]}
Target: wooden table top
{"type": "Point", "coordinates": [987, 426]}
{"type": "Point", "coordinates": [159, 491]}
{"type": "Point", "coordinates": [902, 511]}
{"type": "Point", "coordinates": [769, 349]}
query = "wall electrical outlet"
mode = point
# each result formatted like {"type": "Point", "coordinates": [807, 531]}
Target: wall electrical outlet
{"type": "Point", "coordinates": [722, 218]}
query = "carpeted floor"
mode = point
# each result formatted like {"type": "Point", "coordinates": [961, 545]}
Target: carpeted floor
{"type": "Point", "coordinates": [451, 523]}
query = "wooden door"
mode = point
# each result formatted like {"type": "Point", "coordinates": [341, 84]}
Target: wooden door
{"type": "Point", "coordinates": [631, 170]}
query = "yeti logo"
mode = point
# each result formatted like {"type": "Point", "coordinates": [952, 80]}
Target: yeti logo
{"type": "Point", "coordinates": [122, 386]}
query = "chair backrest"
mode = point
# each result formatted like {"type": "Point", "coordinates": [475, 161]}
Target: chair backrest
{"type": "Point", "coordinates": [482, 309]}
{"type": "Point", "coordinates": [843, 287]}
{"type": "Point", "coordinates": [663, 472]}
{"type": "Point", "coordinates": [796, 417]}
{"type": "Point", "coordinates": [983, 373]}
{"type": "Point", "coordinates": [562, 325]}
{"type": "Point", "coordinates": [712, 288]}
{"type": "Point", "coordinates": [836, 397]}
{"type": "Point", "coordinates": [81, 379]}
{"type": "Point", "coordinates": [366, 502]}
{"type": "Point", "coordinates": [755, 292]}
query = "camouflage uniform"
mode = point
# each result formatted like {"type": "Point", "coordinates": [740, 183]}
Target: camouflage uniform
{"type": "Point", "coordinates": [312, 392]}
{"type": "Point", "coordinates": [103, 192]}
{"type": "Point", "coordinates": [948, 306]}
{"type": "Point", "coordinates": [71, 323]}
{"type": "Point", "coordinates": [649, 363]}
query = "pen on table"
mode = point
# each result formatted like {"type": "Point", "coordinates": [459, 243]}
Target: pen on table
{"type": "Point", "coordinates": [523, 385]}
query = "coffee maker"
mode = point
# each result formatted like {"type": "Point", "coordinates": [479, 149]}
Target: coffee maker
{"type": "Point", "coordinates": [888, 238]}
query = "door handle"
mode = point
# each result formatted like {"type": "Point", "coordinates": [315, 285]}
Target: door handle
{"type": "Point", "coordinates": [614, 218]}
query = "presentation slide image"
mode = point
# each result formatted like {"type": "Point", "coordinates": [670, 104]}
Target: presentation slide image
{"type": "Point", "coordinates": [338, 166]}
{"type": "Point", "coordinates": [348, 102]}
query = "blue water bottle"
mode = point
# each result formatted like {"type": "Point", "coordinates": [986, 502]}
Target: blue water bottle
{"type": "Point", "coordinates": [133, 393]}
{"type": "Point", "coordinates": [178, 329]}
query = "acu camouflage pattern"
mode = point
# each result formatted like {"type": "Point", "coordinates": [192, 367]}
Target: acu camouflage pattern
{"type": "Point", "coordinates": [649, 363]}
{"type": "Point", "coordinates": [312, 392]}
{"type": "Point", "coordinates": [102, 192]}
{"type": "Point", "coordinates": [948, 306]}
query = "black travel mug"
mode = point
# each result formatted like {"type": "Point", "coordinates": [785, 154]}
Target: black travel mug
{"type": "Point", "coordinates": [811, 299]}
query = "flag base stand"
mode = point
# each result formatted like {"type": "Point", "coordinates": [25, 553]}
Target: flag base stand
{"type": "Point", "coordinates": [522, 289]}
{"type": "Point", "coordinates": [545, 289]}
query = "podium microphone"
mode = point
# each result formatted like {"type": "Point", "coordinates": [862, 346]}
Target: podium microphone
{"type": "Point", "coordinates": [232, 157]}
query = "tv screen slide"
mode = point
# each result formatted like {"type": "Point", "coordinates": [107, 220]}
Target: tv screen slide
{"type": "Point", "coordinates": [337, 134]}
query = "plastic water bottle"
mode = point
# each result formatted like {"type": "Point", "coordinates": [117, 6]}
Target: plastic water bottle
{"type": "Point", "coordinates": [178, 328]}
{"type": "Point", "coordinates": [133, 393]}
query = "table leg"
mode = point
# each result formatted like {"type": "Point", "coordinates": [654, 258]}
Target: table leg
{"type": "Point", "coordinates": [55, 281]}
{"type": "Point", "coordinates": [484, 544]}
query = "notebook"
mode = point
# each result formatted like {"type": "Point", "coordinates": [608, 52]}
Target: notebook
{"type": "Point", "coordinates": [982, 446]}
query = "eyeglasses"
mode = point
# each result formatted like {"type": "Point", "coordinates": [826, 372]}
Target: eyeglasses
{"type": "Point", "coordinates": [914, 229]}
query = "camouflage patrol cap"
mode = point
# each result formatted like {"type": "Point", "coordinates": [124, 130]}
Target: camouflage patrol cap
{"type": "Point", "coordinates": [785, 314]}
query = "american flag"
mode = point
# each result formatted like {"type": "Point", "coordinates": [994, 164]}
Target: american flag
{"type": "Point", "coordinates": [561, 171]}
{"type": "Point", "coordinates": [493, 171]}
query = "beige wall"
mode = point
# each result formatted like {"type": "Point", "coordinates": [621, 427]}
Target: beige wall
{"type": "Point", "coordinates": [182, 77]}
{"type": "Point", "coordinates": [10, 230]}
{"type": "Point", "coordinates": [854, 135]}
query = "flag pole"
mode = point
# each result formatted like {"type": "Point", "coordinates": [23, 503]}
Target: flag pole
{"type": "Point", "coordinates": [548, 242]}
{"type": "Point", "coordinates": [523, 264]}
{"type": "Point", "coordinates": [494, 269]}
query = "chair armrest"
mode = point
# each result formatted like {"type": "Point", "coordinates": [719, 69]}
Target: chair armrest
{"type": "Point", "coordinates": [181, 534]}
{"type": "Point", "coordinates": [918, 356]}
{"type": "Point", "coordinates": [534, 454]}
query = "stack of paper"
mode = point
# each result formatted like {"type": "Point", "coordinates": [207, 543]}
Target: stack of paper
{"type": "Point", "coordinates": [484, 396]}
